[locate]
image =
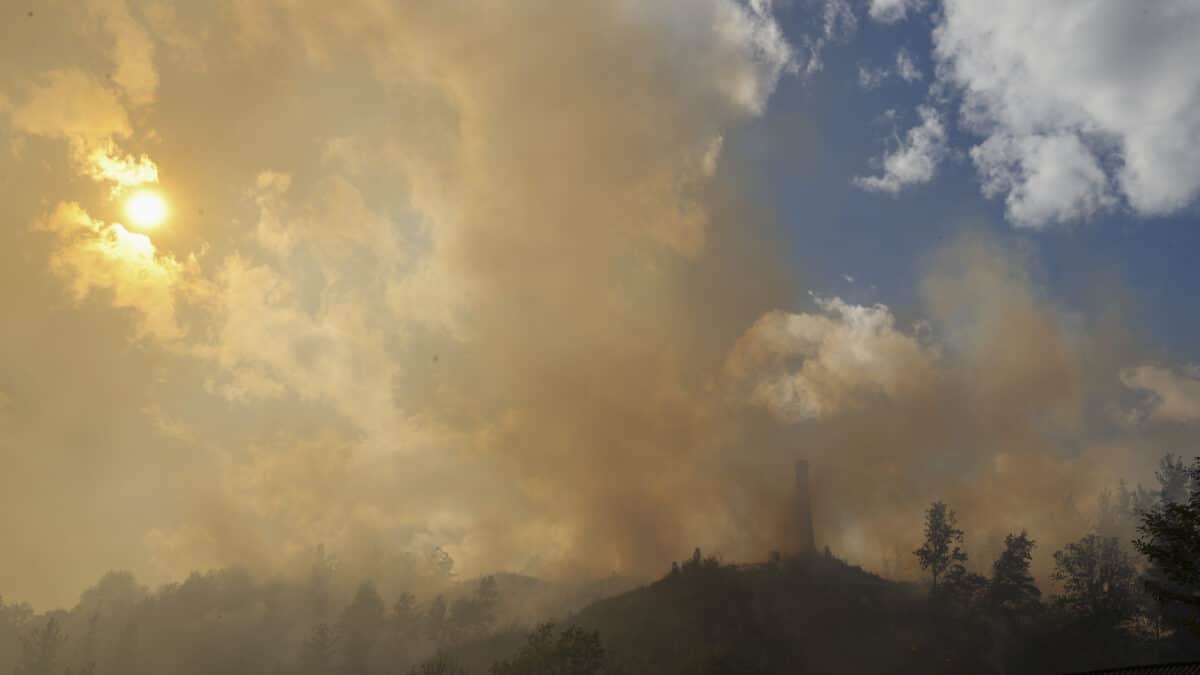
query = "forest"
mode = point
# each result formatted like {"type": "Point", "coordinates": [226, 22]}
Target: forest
{"type": "Point", "coordinates": [1127, 592]}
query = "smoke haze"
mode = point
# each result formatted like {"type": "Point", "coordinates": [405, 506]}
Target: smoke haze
{"type": "Point", "coordinates": [474, 276]}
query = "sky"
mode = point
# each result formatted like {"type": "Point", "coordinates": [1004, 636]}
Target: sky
{"type": "Point", "coordinates": [566, 288]}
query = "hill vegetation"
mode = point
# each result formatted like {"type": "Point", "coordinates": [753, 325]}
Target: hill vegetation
{"type": "Point", "coordinates": [1115, 603]}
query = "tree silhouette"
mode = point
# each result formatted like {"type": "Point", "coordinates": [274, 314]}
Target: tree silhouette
{"type": "Point", "coordinates": [435, 621]}
{"type": "Point", "coordinates": [441, 664]}
{"type": "Point", "coordinates": [359, 627]}
{"type": "Point", "coordinates": [1098, 582]}
{"type": "Point", "coordinates": [406, 616]}
{"type": "Point", "coordinates": [1012, 589]}
{"type": "Point", "coordinates": [320, 577]}
{"type": "Point", "coordinates": [317, 651]}
{"type": "Point", "coordinates": [1173, 478]}
{"type": "Point", "coordinates": [125, 658]}
{"type": "Point", "coordinates": [960, 587]}
{"type": "Point", "coordinates": [1170, 538]}
{"type": "Point", "coordinates": [39, 650]}
{"type": "Point", "coordinates": [943, 543]}
{"type": "Point", "coordinates": [573, 651]}
{"type": "Point", "coordinates": [473, 616]}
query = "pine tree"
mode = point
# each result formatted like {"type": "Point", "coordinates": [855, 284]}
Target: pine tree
{"type": "Point", "coordinates": [359, 627]}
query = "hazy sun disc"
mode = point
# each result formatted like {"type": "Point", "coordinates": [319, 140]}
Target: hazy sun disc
{"type": "Point", "coordinates": [146, 209]}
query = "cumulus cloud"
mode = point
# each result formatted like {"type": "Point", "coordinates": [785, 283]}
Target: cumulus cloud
{"type": "Point", "coordinates": [1171, 395]}
{"type": "Point", "coordinates": [1043, 179]}
{"type": "Point", "coordinates": [892, 11]}
{"type": "Point", "coordinates": [916, 159]}
{"type": "Point", "coordinates": [1078, 105]}
{"type": "Point", "coordinates": [847, 356]}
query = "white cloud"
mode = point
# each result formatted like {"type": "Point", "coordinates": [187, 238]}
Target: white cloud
{"type": "Point", "coordinates": [1172, 396]}
{"type": "Point", "coordinates": [849, 355]}
{"type": "Point", "coordinates": [1045, 179]}
{"type": "Point", "coordinates": [837, 24]}
{"type": "Point", "coordinates": [870, 78]}
{"type": "Point", "coordinates": [765, 53]}
{"type": "Point", "coordinates": [915, 161]}
{"type": "Point", "coordinates": [906, 66]}
{"type": "Point", "coordinates": [891, 11]}
{"type": "Point", "coordinates": [1078, 102]}
{"type": "Point", "coordinates": [906, 69]}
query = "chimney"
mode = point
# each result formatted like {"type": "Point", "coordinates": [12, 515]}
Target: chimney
{"type": "Point", "coordinates": [804, 519]}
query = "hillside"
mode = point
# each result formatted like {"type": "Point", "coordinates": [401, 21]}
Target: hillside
{"type": "Point", "coordinates": [812, 614]}
{"type": "Point", "coordinates": [818, 614]}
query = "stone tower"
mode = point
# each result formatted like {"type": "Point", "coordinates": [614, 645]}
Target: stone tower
{"type": "Point", "coordinates": [804, 519]}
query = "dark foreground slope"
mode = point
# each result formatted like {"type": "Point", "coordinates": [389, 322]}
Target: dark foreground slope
{"type": "Point", "coordinates": [812, 614]}
{"type": "Point", "coordinates": [817, 614]}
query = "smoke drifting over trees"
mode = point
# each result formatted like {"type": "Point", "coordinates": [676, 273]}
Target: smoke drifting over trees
{"type": "Point", "coordinates": [805, 613]}
{"type": "Point", "coordinates": [469, 316]}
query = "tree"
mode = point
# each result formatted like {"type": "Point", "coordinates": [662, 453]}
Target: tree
{"type": "Point", "coordinates": [573, 652]}
{"type": "Point", "coordinates": [406, 617]}
{"type": "Point", "coordinates": [316, 653]}
{"type": "Point", "coordinates": [125, 657]}
{"type": "Point", "coordinates": [1170, 539]}
{"type": "Point", "coordinates": [1173, 478]}
{"type": "Point", "coordinates": [39, 650]}
{"type": "Point", "coordinates": [441, 664]}
{"type": "Point", "coordinates": [1012, 589]}
{"type": "Point", "coordinates": [1098, 581]}
{"type": "Point", "coordinates": [473, 616]}
{"type": "Point", "coordinates": [320, 577]}
{"type": "Point", "coordinates": [435, 621]}
{"type": "Point", "coordinates": [360, 625]}
{"type": "Point", "coordinates": [88, 655]}
{"type": "Point", "coordinates": [962, 588]}
{"type": "Point", "coordinates": [943, 542]}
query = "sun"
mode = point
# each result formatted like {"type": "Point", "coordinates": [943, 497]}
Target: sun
{"type": "Point", "coordinates": [146, 209]}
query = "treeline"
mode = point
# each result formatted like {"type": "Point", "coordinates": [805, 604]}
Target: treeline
{"type": "Point", "coordinates": [1126, 593]}
{"type": "Point", "coordinates": [1118, 599]}
{"type": "Point", "coordinates": [227, 622]}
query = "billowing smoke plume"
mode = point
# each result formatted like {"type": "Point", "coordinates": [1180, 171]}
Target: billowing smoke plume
{"type": "Point", "coordinates": [471, 278]}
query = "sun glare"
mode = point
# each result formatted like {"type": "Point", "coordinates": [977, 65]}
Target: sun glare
{"type": "Point", "coordinates": [146, 209]}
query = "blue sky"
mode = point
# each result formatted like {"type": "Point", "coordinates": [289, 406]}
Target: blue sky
{"type": "Point", "coordinates": [823, 129]}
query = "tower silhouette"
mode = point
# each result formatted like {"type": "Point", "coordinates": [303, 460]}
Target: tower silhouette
{"type": "Point", "coordinates": [804, 519]}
